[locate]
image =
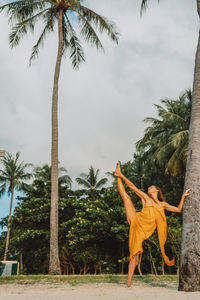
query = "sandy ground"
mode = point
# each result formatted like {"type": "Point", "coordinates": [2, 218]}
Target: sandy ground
{"type": "Point", "coordinates": [95, 291]}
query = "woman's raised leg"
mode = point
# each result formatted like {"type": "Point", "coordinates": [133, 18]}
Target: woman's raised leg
{"type": "Point", "coordinates": [128, 204]}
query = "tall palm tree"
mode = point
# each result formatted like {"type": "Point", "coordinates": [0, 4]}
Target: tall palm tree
{"type": "Point", "coordinates": [25, 14]}
{"type": "Point", "coordinates": [190, 248]}
{"type": "Point", "coordinates": [90, 180]}
{"type": "Point", "coordinates": [12, 176]}
{"type": "Point", "coordinates": [166, 140]}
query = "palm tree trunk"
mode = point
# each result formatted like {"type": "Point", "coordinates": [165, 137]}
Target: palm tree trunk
{"type": "Point", "coordinates": [9, 223]}
{"type": "Point", "coordinates": [189, 279]}
{"type": "Point", "coordinates": [54, 262]}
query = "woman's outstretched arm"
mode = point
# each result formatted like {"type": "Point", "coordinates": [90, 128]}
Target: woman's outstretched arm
{"type": "Point", "coordinates": [180, 206]}
{"type": "Point", "coordinates": [138, 192]}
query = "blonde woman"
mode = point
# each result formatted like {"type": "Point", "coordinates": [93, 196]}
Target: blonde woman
{"type": "Point", "coordinates": [143, 223]}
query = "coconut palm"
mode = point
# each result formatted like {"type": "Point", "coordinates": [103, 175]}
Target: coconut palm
{"type": "Point", "coordinates": [24, 14]}
{"type": "Point", "coordinates": [12, 176]}
{"type": "Point", "coordinates": [90, 180]}
{"type": "Point", "coordinates": [42, 175]}
{"type": "Point", "coordinates": [190, 263]}
{"type": "Point", "coordinates": [165, 141]}
{"type": "Point", "coordinates": [41, 185]}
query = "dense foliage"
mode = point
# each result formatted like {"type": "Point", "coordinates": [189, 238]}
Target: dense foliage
{"type": "Point", "coordinates": [93, 232]}
{"type": "Point", "coordinates": [165, 141]}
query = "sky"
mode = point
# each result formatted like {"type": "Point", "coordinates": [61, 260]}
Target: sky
{"type": "Point", "coordinates": [101, 106]}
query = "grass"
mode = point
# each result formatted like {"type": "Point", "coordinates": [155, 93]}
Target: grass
{"type": "Point", "coordinates": [160, 280]}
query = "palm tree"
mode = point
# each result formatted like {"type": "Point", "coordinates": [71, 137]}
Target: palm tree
{"type": "Point", "coordinates": [12, 177]}
{"type": "Point", "coordinates": [24, 14]}
{"type": "Point", "coordinates": [90, 180]}
{"type": "Point", "coordinates": [190, 248]}
{"type": "Point", "coordinates": [41, 185]}
{"type": "Point", "coordinates": [42, 176]}
{"type": "Point", "coordinates": [165, 141]}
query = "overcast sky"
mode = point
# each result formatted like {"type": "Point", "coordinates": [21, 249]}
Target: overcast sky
{"type": "Point", "coordinates": [101, 106]}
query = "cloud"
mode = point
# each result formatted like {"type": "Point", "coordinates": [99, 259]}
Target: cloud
{"type": "Point", "coordinates": [101, 106]}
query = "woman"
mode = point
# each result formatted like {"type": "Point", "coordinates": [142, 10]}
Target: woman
{"type": "Point", "coordinates": [143, 223]}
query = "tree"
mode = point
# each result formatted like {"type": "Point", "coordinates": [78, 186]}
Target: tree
{"type": "Point", "coordinates": [42, 176]}
{"type": "Point", "coordinates": [25, 14]}
{"type": "Point", "coordinates": [165, 141]}
{"type": "Point", "coordinates": [12, 177]}
{"type": "Point", "coordinates": [41, 185]}
{"type": "Point", "coordinates": [189, 279]}
{"type": "Point", "coordinates": [90, 180]}
{"type": "Point", "coordinates": [31, 218]}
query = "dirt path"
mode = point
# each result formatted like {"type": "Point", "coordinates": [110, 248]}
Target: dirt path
{"type": "Point", "coordinates": [96, 291]}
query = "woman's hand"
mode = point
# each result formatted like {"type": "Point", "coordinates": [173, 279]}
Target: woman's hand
{"type": "Point", "coordinates": [187, 193]}
{"type": "Point", "coordinates": [118, 170]}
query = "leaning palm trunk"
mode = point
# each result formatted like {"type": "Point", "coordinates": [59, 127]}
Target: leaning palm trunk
{"type": "Point", "coordinates": [189, 279]}
{"type": "Point", "coordinates": [54, 263]}
{"type": "Point", "coordinates": [9, 224]}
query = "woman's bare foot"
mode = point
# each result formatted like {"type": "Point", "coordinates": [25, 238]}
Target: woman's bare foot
{"type": "Point", "coordinates": [129, 283]}
{"type": "Point", "coordinates": [118, 170]}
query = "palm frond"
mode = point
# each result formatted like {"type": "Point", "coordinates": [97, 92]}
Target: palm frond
{"type": "Point", "coordinates": [174, 117]}
{"type": "Point", "coordinates": [77, 54]}
{"type": "Point", "coordinates": [111, 174]}
{"type": "Point", "coordinates": [65, 179]}
{"type": "Point", "coordinates": [65, 36]}
{"type": "Point", "coordinates": [101, 23]}
{"type": "Point", "coordinates": [21, 29]}
{"type": "Point", "coordinates": [3, 189]}
{"type": "Point", "coordinates": [144, 5]}
{"type": "Point", "coordinates": [48, 28]}
{"type": "Point", "coordinates": [175, 163]}
{"type": "Point", "coordinates": [14, 5]}
{"type": "Point", "coordinates": [180, 138]}
{"type": "Point", "coordinates": [83, 182]}
{"type": "Point", "coordinates": [27, 10]}
{"type": "Point", "coordinates": [89, 33]}
{"type": "Point", "coordinates": [101, 182]}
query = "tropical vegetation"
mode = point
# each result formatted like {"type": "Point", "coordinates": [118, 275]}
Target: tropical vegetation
{"type": "Point", "coordinates": [165, 141]}
{"type": "Point", "coordinates": [93, 231]}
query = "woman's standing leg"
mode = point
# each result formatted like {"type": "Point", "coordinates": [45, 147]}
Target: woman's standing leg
{"type": "Point", "coordinates": [131, 269]}
{"type": "Point", "coordinates": [130, 213]}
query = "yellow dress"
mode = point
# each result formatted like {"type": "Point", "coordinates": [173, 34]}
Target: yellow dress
{"type": "Point", "coordinates": [142, 227]}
